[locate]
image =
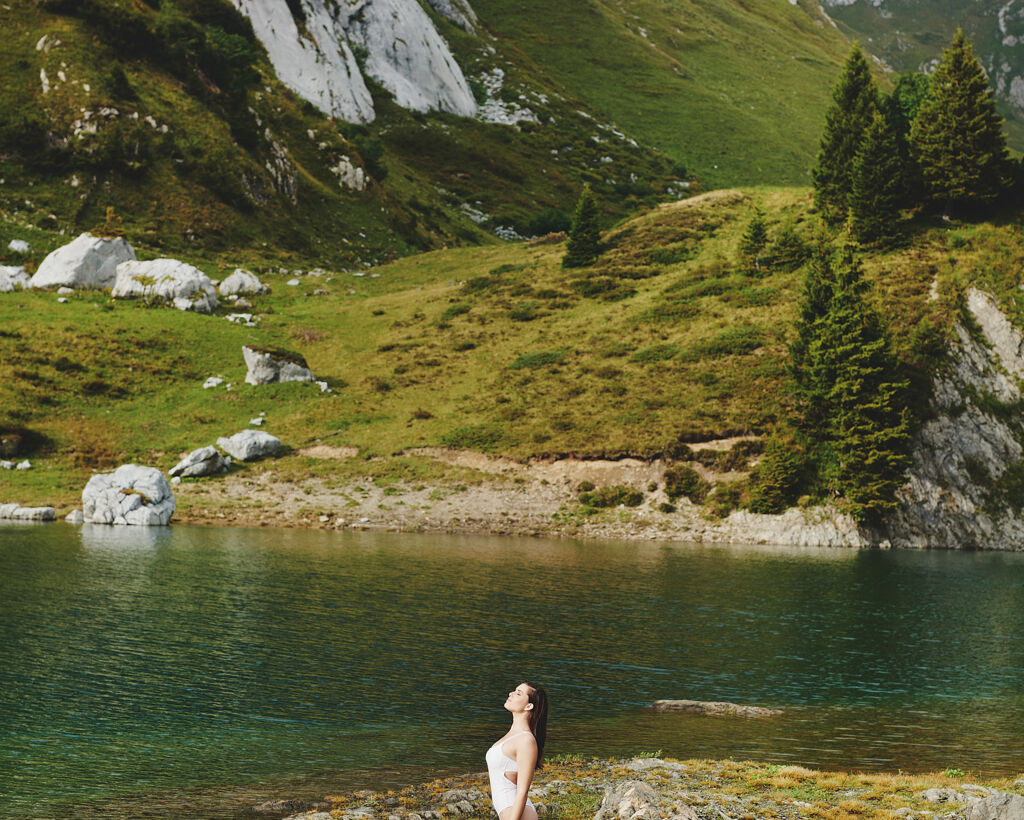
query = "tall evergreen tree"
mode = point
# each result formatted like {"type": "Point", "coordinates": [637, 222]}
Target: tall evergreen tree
{"type": "Point", "coordinates": [957, 135]}
{"type": "Point", "coordinates": [877, 185]}
{"type": "Point", "coordinates": [849, 389]}
{"type": "Point", "coordinates": [584, 245]}
{"type": "Point", "coordinates": [900, 108]}
{"type": "Point", "coordinates": [854, 102]}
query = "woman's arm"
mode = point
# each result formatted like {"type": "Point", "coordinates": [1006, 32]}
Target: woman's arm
{"type": "Point", "coordinates": [526, 762]}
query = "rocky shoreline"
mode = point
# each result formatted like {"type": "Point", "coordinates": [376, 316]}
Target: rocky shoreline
{"type": "Point", "coordinates": [651, 788]}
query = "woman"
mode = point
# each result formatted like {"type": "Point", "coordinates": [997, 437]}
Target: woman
{"type": "Point", "coordinates": [512, 760]}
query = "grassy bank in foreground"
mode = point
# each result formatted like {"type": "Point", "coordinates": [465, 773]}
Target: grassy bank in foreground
{"type": "Point", "coordinates": [571, 788]}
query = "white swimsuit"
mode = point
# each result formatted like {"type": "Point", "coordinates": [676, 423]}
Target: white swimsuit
{"type": "Point", "coordinates": [503, 790]}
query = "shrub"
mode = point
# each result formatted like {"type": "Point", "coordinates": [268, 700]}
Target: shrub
{"type": "Point", "coordinates": [523, 312]}
{"type": "Point", "coordinates": [665, 507]}
{"type": "Point", "coordinates": [655, 353]}
{"type": "Point", "coordinates": [777, 480]}
{"type": "Point", "coordinates": [612, 497]}
{"type": "Point", "coordinates": [725, 498]}
{"type": "Point", "coordinates": [683, 481]}
{"type": "Point", "coordinates": [538, 359]}
{"type": "Point", "coordinates": [733, 341]}
{"type": "Point", "coordinates": [584, 487]}
{"type": "Point", "coordinates": [668, 254]}
{"type": "Point", "coordinates": [458, 309]}
{"type": "Point", "coordinates": [550, 220]}
{"type": "Point", "coordinates": [474, 437]}
{"type": "Point", "coordinates": [604, 287]}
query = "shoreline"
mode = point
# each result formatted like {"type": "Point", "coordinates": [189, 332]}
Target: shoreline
{"type": "Point", "coordinates": [648, 787]}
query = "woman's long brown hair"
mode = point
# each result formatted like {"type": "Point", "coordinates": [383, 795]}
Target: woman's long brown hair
{"type": "Point", "coordinates": [538, 717]}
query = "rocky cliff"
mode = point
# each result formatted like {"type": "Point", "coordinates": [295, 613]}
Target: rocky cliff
{"type": "Point", "coordinates": [313, 45]}
{"type": "Point", "coordinates": [965, 486]}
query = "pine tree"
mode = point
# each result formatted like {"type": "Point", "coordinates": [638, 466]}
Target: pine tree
{"type": "Point", "coordinates": [584, 245]}
{"type": "Point", "coordinates": [854, 102]}
{"type": "Point", "coordinates": [900, 108]}
{"type": "Point", "coordinates": [957, 135]}
{"type": "Point", "coordinates": [851, 379]}
{"type": "Point", "coordinates": [877, 184]}
{"type": "Point", "coordinates": [753, 242]}
{"type": "Point", "coordinates": [811, 384]}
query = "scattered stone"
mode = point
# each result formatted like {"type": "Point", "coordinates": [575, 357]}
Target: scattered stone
{"type": "Point", "coordinates": [23, 465]}
{"type": "Point", "coordinates": [62, 300]}
{"type": "Point", "coordinates": [65, 291]}
{"type": "Point", "coordinates": [242, 304]}
{"type": "Point", "coordinates": [267, 366]}
{"type": "Point", "coordinates": [167, 280]}
{"type": "Point", "coordinates": [213, 381]}
{"type": "Point", "coordinates": [241, 319]}
{"type": "Point", "coordinates": [12, 276]}
{"type": "Point", "coordinates": [18, 246]}
{"type": "Point", "coordinates": [999, 806]}
{"type": "Point", "coordinates": [324, 387]}
{"type": "Point", "coordinates": [176, 480]}
{"type": "Point", "coordinates": [132, 494]}
{"type": "Point", "coordinates": [293, 282]}
{"type": "Point", "coordinates": [241, 281]}
{"type": "Point", "coordinates": [256, 421]}
{"type": "Point", "coordinates": [75, 517]}
{"type": "Point", "coordinates": [204, 461]}
{"type": "Point", "coordinates": [6, 465]}
{"type": "Point", "coordinates": [714, 708]}
{"type": "Point", "coordinates": [86, 262]}
{"type": "Point", "coordinates": [15, 512]}
{"type": "Point", "coordinates": [250, 445]}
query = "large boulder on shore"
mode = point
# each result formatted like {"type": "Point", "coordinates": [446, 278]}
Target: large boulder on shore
{"type": "Point", "coordinates": [269, 365]}
{"type": "Point", "coordinates": [15, 512]}
{"type": "Point", "coordinates": [166, 280]}
{"type": "Point", "coordinates": [132, 494]}
{"type": "Point", "coordinates": [204, 461]}
{"type": "Point", "coordinates": [86, 262]}
{"type": "Point", "coordinates": [250, 445]}
{"type": "Point", "coordinates": [241, 282]}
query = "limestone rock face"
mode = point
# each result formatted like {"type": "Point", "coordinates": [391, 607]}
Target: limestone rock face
{"type": "Point", "coordinates": [167, 280]}
{"type": "Point", "coordinates": [86, 262]}
{"type": "Point", "coordinates": [250, 445]}
{"type": "Point", "coordinates": [405, 53]}
{"type": "Point", "coordinates": [1003, 806]}
{"type": "Point", "coordinates": [132, 494]}
{"type": "Point", "coordinates": [12, 276]}
{"type": "Point", "coordinates": [960, 454]}
{"type": "Point", "coordinates": [204, 461]}
{"type": "Point", "coordinates": [241, 281]}
{"type": "Point", "coordinates": [269, 366]}
{"type": "Point", "coordinates": [629, 800]}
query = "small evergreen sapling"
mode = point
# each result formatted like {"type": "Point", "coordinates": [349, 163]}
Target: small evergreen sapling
{"type": "Point", "coordinates": [753, 243]}
{"type": "Point", "coordinates": [584, 245]}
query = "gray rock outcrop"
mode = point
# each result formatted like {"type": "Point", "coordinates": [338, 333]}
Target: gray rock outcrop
{"type": "Point", "coordinates": [250, 445]}
{"type": "Point", "coordinates": [1003, 806]}
{"type": "Point", "coordinates": [75, 517]}
{"type": "Point", "coordinates": [405, 53]}
{"type": "Point", "coordinates": [267, 366]}
{"type": "Point", "coordinates": [239, 282]}
{"type": "Point", "coordinates": [166, 280]}
{"type": "Point", "coordinates": [201, 462]}
{"type": "Point", "coordinates": [132, 494]}
{"type": "Point", "coordinates": [714, 708]}
{"type": "Point", "coordinates": [15, 512]}
{"type": "Point", "coordinates": [962, 454]}
{"type": "Point", "coordinates": [629, 800]}
{"type": "Point", "coordinates": [458, 11]}
{"type": "Point", "coordinates": [88, 262]}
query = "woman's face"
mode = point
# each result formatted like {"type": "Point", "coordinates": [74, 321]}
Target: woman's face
{"type": "Point", "coordinates": [519, 699]}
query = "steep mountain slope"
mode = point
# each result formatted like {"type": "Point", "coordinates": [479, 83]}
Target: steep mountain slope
{"type": "Point", "coordinates": [910, 35]}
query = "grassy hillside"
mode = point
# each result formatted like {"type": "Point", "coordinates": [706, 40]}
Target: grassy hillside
{"type": "Point", "coordinates": [665, 341]}
{"type": "Point", "coordinates": [735, 91]}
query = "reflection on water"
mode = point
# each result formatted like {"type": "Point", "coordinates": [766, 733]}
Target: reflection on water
{"type": "Point", "coordinates": [225, 664]}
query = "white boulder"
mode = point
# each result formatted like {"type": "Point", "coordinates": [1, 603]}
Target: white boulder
{"type": "Point", "coordinates": [167, 280]}
{"type": "Point", "coordinates": [213, 381]}
{"type": "Point", "coordinates": [250, 445]}
{"type": "Point", "coordinates": [15, 512]}
{"type": "Point", "coordinates": [18, 246]}
{"type": "Point", "coordinates": [270, 366]}
{"type": "Point", "coordinates": [75, 517]}
{"type": "Point", "coordinates": [23, 465]}
{"type": "Point", "coordinates": [86, 262]}
{"type": "Point", "coordinates": [204, 461]}
{"type": "Point", "coordinates": [132, 494]}
{"type": "Point", "coordinates": [241, 281]}
{"type": "Point", "coordinates": [12, 276]}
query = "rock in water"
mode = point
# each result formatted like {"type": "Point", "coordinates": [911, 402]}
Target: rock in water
{"type": "Point", "coordinates": [267, 365]}
{"type": "Point", "coordinates": [714, 708]}
{"type": "Point", "coordinates": [204, 461]}
{"type": "Point", "coordinates": [86, 262]}
{"type": "Point", "coordinates": [250, 445]}
{"type": "Point", "coordinates": [132, 494]}
{"type": "Point", "coordinates": [15, 512]}
{"type": "Point", "coordinates": [167, 280]}
{"type": "Point", "coordinates": [75, 517]}
{"type": "Point", "coordinates": [241, 281]}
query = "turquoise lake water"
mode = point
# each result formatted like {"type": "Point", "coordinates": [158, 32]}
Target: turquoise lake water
{"type": "Point", "coordinates": [191, 671]}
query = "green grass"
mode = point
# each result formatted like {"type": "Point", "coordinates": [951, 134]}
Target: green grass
{"type": "Point", "coordinates": [99, 382]}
